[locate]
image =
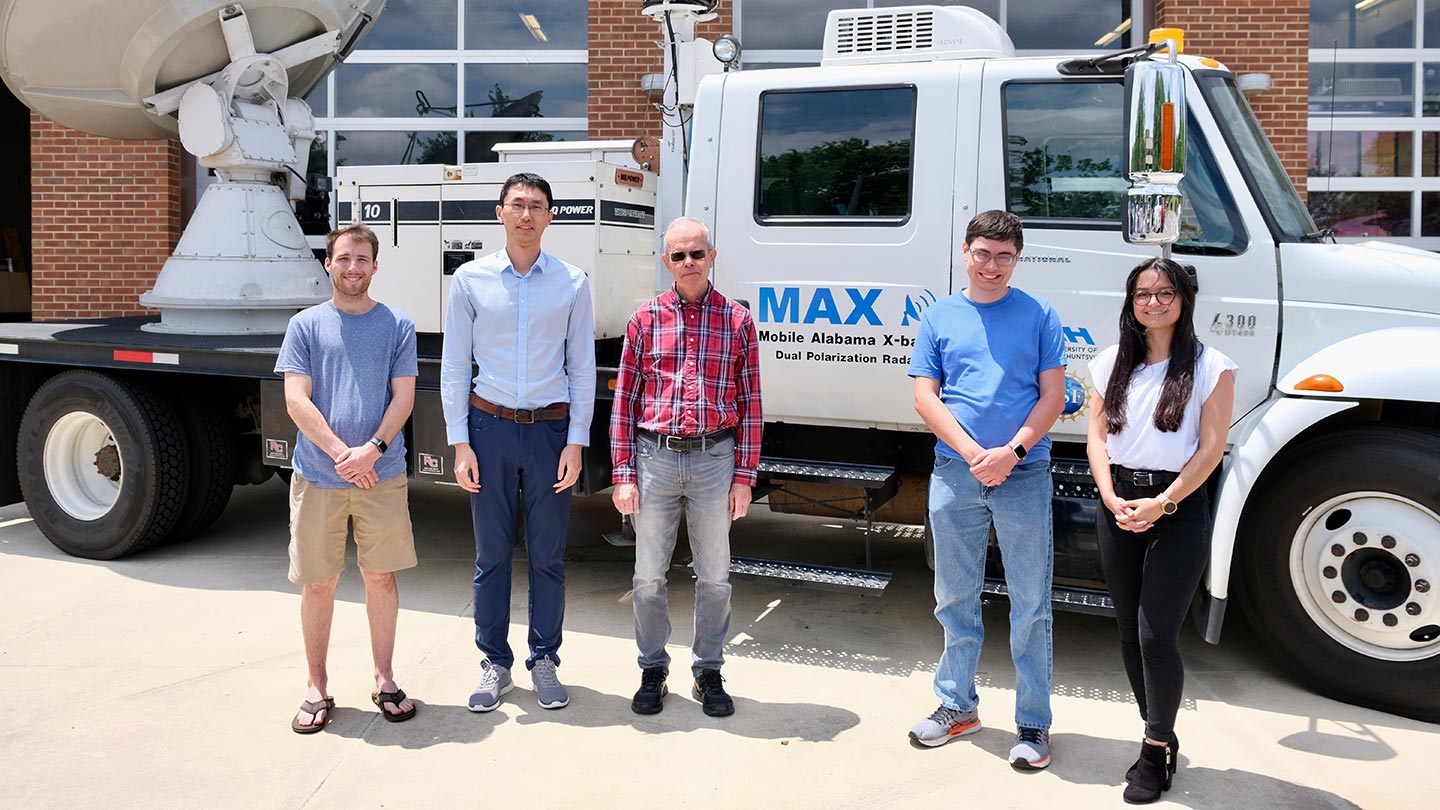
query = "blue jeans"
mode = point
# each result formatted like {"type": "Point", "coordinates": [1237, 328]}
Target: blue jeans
{"type": "Point", "coordinates": [517, 471]}
{"type": "Point", "coordinates": [961, 511]}
{"type": "Point", "coordinates": [698, 484]}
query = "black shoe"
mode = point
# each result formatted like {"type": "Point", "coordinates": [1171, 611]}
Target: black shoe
{"type": "Point", "coordinates": [1152, 774]}
{"type": "Point", "coordinates": [710, 691]}
{"type": "Point", "coordinates": [1174, 758]}
{"type": "Point", "coordinates": [650, 699]}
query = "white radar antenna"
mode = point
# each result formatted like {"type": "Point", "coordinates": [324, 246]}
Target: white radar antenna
{"type": "Point", "coordinates": [228, 79]}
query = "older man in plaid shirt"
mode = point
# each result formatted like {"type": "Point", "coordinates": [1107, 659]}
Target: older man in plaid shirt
{"type": "Point", "coordinates": [685, 435]}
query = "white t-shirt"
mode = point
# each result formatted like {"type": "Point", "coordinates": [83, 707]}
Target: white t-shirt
{"type": "Point", "coordinates": [1141, 445]}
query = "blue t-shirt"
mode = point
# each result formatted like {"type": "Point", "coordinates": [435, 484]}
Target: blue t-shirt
{"type": "Point", "coordinates": [350, 360]}
{"type": "Point", "coordinates": [988, 359]}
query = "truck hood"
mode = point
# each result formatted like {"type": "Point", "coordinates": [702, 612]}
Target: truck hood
{"type": "Point", "coordinates": [1362, 274]}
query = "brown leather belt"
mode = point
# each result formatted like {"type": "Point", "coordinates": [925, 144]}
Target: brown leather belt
{"type": "Point", "coordinates": [524, 416]}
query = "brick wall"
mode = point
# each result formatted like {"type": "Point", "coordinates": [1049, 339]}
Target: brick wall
{"type": "Point", "coordinates": [624, 46]}
{"type": "Point", "coordinates": [1257, 36]}
{"type": "Point", "coordinates": [106, 216]}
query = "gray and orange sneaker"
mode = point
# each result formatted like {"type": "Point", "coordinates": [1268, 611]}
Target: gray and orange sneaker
{"type": "Point", "coordinates": [1031, 751]}
{"type": "Point", "coordinates": [943, 725]}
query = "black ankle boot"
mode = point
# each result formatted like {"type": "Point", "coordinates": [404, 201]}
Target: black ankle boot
{"type": "Point", "coordinates": [1174, 758]}
{"type": "Point", "coordinates": [1152, 774]}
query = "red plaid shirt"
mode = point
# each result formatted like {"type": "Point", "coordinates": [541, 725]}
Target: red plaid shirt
{"type": "Point", "coordinates": [688, 370]}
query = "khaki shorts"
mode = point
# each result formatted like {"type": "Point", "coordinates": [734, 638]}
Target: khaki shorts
{"type": "Point", "coordinates": [320, 519]}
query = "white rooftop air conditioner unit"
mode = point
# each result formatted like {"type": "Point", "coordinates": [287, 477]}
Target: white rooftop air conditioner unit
{"type": "Point", "coordinates": [912, 34]}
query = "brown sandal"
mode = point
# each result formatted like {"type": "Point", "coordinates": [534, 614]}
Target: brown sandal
{"type": "Point", "coordinates": [312, 708]}
{"type": "Point", "coordinates": [381, 698]}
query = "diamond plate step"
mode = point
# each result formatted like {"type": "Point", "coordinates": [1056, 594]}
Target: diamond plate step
{"type": "Point", "coordinates": [830, 578]}
{"type": "Point", "coordinates": [869, 476]}
{"type": "Point", "coordinates": [1076, 600]}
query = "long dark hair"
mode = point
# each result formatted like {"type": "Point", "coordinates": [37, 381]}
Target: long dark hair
{"type": "Point", "coordinates": [1184, 352]}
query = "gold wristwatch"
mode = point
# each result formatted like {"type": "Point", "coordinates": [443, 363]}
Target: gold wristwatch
{"type": "Point", "coordinates": [1168, 506]}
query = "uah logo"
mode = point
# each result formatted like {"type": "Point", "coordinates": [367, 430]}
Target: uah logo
{"type": "Point", "coordinates": [914, 305]}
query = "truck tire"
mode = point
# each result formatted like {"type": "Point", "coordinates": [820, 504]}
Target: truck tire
{"type": "Point", "coordinates": [1341, 567]}
{"type": "Point", "coordinates": [210, 446]}
{"type": "Point", "coordinates": [102, 463]}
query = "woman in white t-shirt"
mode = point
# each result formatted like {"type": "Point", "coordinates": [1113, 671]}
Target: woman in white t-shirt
{"type": "Point", "coordinates": [1160, 415]}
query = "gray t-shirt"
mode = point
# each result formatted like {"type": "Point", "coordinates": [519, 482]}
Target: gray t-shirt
{"type": "Point", "coordinates": [350, 360]}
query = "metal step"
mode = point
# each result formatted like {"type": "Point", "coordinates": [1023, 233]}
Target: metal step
{"type": "Point", "coordinates": [869, 476]}
{"type": "Point", "coordinates": [829, 578]}
{"type": "Point", "coordinates": [1077, 600]}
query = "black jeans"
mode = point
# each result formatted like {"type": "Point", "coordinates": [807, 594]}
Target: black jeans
{"type": "Point", "coordinates": [1152, 578]}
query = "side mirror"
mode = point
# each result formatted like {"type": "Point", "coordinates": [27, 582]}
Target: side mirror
{"type": "Point", "coordinates": [1154, 151]}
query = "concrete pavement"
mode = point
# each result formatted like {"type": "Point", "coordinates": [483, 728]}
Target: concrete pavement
{"type": "Point", "coordinates": [169, 679]}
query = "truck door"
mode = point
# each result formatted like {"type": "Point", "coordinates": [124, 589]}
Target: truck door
{"type": "Point", "coordinates": [1051, 152]}
{"type": "Point", "coordinates": [833, 204]}
{"type": "Point", "coordinates": [406, 218]}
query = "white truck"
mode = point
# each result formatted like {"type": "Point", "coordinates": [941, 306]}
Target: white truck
{"type": "Point", "coordinates": [838, 197]}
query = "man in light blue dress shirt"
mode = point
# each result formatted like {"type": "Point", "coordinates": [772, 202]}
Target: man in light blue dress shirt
{"type": "Point", "coordinates": [526, 320]}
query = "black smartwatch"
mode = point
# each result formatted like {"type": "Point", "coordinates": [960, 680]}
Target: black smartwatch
{"type": "Point", "coordinates": [1019, 450]}
{"type": "Point", "coordinates": [379, 444]}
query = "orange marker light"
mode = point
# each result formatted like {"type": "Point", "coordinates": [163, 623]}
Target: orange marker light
{"type": "Point", "coordinates": [612, 383]}
{"type": "Point", "coordinates": [1320, 382]}
{"type": "Point", "coordinates": [1210, 63]}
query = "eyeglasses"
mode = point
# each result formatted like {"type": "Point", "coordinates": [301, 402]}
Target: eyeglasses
{"type": "Point", "coordinates": [698, 255]}
{"type": "Point", "coordinates": [535, 209]}
{"type": "Point", "coordinates": [985, 257]}
{"type": "Point", "coordinates": [1166, 297]}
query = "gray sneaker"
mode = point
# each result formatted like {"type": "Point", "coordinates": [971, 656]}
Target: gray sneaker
{"type": "Point", "coordinates": [1031, 751]}
{"type": "Point", "coordinates": [494, 682]}
{"type": "Point", "coordinates": [943, 725]}
{"type": "Point", "coordinates": [548, 689]}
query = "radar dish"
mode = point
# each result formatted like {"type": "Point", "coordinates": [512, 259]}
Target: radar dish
{"type": "Point", "coordinates": [90, 64]}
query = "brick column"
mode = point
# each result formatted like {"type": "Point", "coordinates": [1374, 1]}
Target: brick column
{"type": "Point", "coordinates": [1257, 36]}
{"type": "Point", "coordinates": [624, 46]}
{"type": "Point", "coordinates": [106, 216]}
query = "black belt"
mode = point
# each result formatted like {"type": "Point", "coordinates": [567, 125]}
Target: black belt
{"type": "Point", "coordinates": [1142, 478]}
{"type": "Point", "coordinates": [685, 444]}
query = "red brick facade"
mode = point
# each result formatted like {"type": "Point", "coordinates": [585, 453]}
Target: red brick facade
{"type": "Point", "coordinates": [106, 216]}
{"type": "Point", "coordinates": [624, 46]}
{"type": "Point", "coordinates": [1257, 36]}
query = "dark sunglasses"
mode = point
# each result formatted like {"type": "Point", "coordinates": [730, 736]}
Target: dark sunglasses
{"type": "Point", "coordinates": [698, 255]}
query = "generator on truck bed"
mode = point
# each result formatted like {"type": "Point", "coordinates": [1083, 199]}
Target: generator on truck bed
{"type": "Point", "coordinates": [838, 197]}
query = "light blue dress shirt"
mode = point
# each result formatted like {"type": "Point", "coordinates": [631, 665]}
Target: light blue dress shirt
{"type": "Point", "coordinates": [532, 337]}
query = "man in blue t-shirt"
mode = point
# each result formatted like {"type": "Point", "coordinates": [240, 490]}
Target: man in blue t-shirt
{"type": "Point", "coordinates": [989, 369]}
{"type": "Point", "coordinates": [350, 369]}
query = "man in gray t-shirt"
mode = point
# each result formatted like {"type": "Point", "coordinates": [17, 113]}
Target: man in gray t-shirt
{"type": "Point", "coordinates": [350, 369]}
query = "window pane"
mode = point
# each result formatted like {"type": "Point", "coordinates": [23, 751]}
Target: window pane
{"type": "Point", "coordinates": [1360, 154]}
{"type": "Point", "coordinates": [1037, 24]}
{"type": "Point", "coordinates": [837, 153]}
{"type": "Point", "coordinates": [527, 24]}
{"type": "Point", "coordinates": [414, 24]}
{"type": "Point", "coordinates": [1065, 141]}
{"type": "Point", "coordinates": [390, 91]}
{"type": "Point", "coordinates": [1362, 23]}
{"type": "Point", "coordinates": [1209, 220]}
{"type": "Point", "coordinates": [526, 91]}
{"type": "Point", "coordinates": [319, 99]}
{"type": "Point", "coordinates": [1432, 23]}
{"type": "Point", "coordinates": [1362, 213]}
{"type": "Point", "coordinates": [390, 148]}
{"type": "Point", "coordinates": [1430, 154]}
{"type": "Point", "coordinates": [1430, 101]}
{"type": "Point", "coordinates": [787, 24]}
{"type": "Point", "coordinates": [1362, 89]}
{"type": "Point", "coordinates": [1430, 213]}
{"type": "Point", "coordinates": [478, 145]}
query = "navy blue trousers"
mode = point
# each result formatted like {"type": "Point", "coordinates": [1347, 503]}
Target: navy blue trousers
{"type": "Point", "coordinates": [517, 476]}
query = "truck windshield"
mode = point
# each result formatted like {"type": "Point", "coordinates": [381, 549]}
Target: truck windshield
{"type": "Point", "coordinates": [1286, 215]}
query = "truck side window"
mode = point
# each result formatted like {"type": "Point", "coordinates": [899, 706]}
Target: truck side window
{"type": "Point", "coordinates": [1064, 165]}
{"type": "Point", "coordinates": [835, 156]}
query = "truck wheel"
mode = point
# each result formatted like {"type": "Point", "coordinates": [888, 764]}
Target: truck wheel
{"type": "Point", "coordinates": [211, 449]}
{"type": "Point", "coordinates": [102, 465]}
{"type": "Point", "coordinates": [1341, 567]}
